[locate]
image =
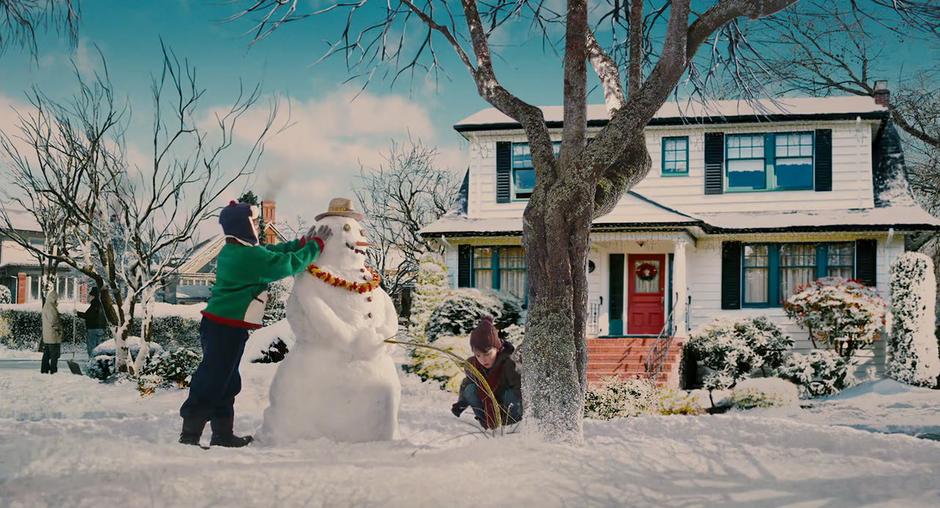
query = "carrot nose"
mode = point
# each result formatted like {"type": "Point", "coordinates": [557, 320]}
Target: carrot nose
{"type": "Point", "coordinates": [362, 244]}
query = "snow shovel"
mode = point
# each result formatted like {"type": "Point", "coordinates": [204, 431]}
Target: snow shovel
{"type": "Point", "coordinates": [74, 366]}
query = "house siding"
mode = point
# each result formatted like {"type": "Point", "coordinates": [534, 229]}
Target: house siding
{"type": "Point", "coordinates": [851, 172]}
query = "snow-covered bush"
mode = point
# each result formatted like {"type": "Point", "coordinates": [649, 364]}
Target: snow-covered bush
{"type": "Point", "coordinates": [148, 384]}
{"type": "Point", "coordinates": [619, 398]}
{"type": "Point", "coordinates": [276, 308]}
{"type": "Point", "coordinates": [912, 348]}
{"type": "Point", "coordinates": [5, 295]}
{"type": "Point", "coordinates": [432, 365]}
{"type": "Point", "coordinates": [731, 350]}
{"type": "Point", "coordinates": [173, 332]}
{"type": "Point", "coordinates": [513, 334]}
{"type": "Point", "coordinates": [101, 365]}
{"type": "Point", "coordinates": [819, 373]}
{"type": "Point", "coordinates": [431, 289]}
{"type": "Point", "coordinates": [764, 392]}
{"type": "Point", "coordinates": [845, 314]}
{"type": "Point", "coordinates": [173, 367]}
{"type": "Point", "coordinates": [463, 309]}
{"type": "Point", "coordinates": [615, 397]}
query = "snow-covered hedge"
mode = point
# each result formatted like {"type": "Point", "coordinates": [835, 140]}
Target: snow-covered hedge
{"type": "Point", "coordinates": [819, 373]}
{"type": "Point", "coordinates": [912, 348]}
{"type": "Point", "coordinates": [24, 330]}
{"type": "Point", "coordinates": [460, 313]}
{"type": "Point", "coordinates": [764, 392]}
{"type": "Point", "coordinates": [5, 295]}
{"type": "Point", "coordinates": [620, 398]}
{"type": "Point", "coordinates": [845, 314]}
{"type": "Point", "coordinates": [731, 350]}
{"type": "Point", "coordinates": [101, 366]}
{"type": "Point", "coordinates": [432, 365]}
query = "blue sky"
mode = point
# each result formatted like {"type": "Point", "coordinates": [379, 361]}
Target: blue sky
{"type": "Point", "coordinates": [319, 157]}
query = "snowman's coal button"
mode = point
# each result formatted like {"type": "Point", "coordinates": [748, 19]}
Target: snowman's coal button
{"type": "Point", "coordinates": [368, 298]}
{"type": "Point", "coordinates": [369, 315]}
{"type": "Point", "coordinates": [363, 270]}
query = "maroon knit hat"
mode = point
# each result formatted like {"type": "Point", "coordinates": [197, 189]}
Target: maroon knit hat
{"type": "Point", "coordinates": [484, 336]}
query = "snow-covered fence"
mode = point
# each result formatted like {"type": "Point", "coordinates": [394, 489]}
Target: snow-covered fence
{"type": "Point", "coordinates": [912, 349]}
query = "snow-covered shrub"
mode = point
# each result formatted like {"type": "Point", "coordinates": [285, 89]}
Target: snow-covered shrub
{"type": "Point", "coordinates": [513, 334]}
{"type": "Point", "coordinates": [432, 365]}
{"type": "Point", "coordinates": [463, 309]}
{"type": "Point", "coordinates": [731, 350]}
{"type": "Point", "coordinates": [147, 384]}
{"type": "Point", "coordinates": [766, 340]}
{"type": "Point", "coordinates": [431, 289]}
{"type": "Point", "coordinates": [819, 373]}
{"type": "Point", "coordinates": [912, 348]}
{"type": "Point", "coordinates": [670, 401]}
{"type": "Point", "coordinates": [619, 398]}
{"type": "Point", "coordinates": [173, 367]}
{"type": "Point", "coordinates": [101, 365]}
{"type": "Point", "coordinates": [173, 332]}
{"type": "Point", "coordinates": [276, 308]}
{"type": "Point", "coordinates": [615, 397]}
{"type": "Point", "coordinates": [5, 295]}
{"type": "Point", "coordinates": [24, 329]}
{"type": "Point", "coordinates": [845, 314]}
{"type": "Point", "coordinates": [764, 392]}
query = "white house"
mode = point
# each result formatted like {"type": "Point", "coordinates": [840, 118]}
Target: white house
{"type": "Point", "coordinates": [743, 204]}
{"type": "Point", "coordinates": [19, 269]}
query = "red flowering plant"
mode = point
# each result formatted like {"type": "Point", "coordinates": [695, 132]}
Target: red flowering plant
{"type": "Point", "coordinates": [844, 314]}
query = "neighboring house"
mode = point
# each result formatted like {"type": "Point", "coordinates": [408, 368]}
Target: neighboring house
{"type": "Point", "coordinates": [743, 204]}
{"type": "Point", "coordinates": [20, 272]}
{"type": "Point", "coordinates": [196, 275]}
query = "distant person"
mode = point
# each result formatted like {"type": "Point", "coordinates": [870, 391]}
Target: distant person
{"type": "Point", "coordinates": [96, 322]}
{"type": "Point", "coordinates": [51, 334]}
{"type": "Point", "coordinates": [492, 357]}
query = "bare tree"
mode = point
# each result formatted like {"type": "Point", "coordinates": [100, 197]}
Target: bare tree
{"type": "Point", "coordinates": [584, 181]}
{"type": "Point", "coordinates": [22, 21]}
{"type": "Point", "coordinates": [131, 222]}
{"type": "Point", "coordinates": [401, 196]}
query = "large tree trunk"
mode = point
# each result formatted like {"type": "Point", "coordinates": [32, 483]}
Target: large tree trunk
{"type": "Point", "coordinates": [556, 237]}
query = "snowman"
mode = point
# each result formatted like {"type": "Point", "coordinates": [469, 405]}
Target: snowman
{"type": "Point", "coordinates": [338, 381]}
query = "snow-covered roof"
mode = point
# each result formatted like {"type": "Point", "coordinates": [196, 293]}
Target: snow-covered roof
{"type": "Point", "coordinates": [910, 218]}
{"type": "Point", "coordinates": [692, 111]}
{"type": "Point", "coordinates": [642, 211]}
{"type": "Point", "coordinates": [22, 220]}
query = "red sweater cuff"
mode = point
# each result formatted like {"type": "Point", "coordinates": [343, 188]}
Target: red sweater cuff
{"type": "Point", "coordinates": [319, 242]}
{"type": "Point", "coordinates": [303, 241]}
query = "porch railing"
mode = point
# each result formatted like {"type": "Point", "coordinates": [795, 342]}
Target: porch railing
{"type": "Point", "coordinates": [656, 359]}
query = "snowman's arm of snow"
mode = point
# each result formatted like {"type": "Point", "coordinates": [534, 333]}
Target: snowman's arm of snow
{"type": "Point", "coordinates": [389, 328]}
{"type": "Point", "coordinates": [319, 316]}
{"type": "Point", "coordinates": [271, 266]}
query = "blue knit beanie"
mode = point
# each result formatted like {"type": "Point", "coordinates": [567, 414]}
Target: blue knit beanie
{"type": "Point", "coordinates": [236, 222]}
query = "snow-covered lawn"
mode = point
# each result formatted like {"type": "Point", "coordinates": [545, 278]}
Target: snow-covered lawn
{"type": "Point", "coordinates": [68, 441]}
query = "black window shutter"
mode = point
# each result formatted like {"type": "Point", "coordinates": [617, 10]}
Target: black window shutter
{"type": "Point", "coordinates": [865, 261]}
{"type": "Point", "coordinates": [714, 162]}
{"type": "Point", "coordinates": [823, 167]}
{"type": "Point", "coordinates": [503, 171]}
{"type": "Point", "coordinates": [464, 266]}
{"type": "Point", "coordinates": [731, 275]}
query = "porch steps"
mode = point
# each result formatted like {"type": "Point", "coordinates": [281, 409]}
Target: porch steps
{"type": "Point", "coordinates": [626, 358]}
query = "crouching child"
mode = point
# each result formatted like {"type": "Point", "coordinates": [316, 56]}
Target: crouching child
{"type": "Point", "coordinates": [492, 356]}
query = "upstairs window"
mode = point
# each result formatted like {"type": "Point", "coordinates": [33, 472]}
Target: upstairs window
{"type": "Point", "coordinates": [523, 173]}
{"type": "Point", "coordinates": [675, 156]}
{"type": "Point", "coordinates": [773, 161]}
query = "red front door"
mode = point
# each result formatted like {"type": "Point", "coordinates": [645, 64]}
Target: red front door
{"type": "Point", "coordinates": [646, 294]}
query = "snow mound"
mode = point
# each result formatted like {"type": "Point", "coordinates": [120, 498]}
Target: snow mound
{"type": "Point", "coordinates": [261, 340]}
{"type": "Point", "coordinates": [765, 392]}
{"type": "Point", "coordinates": [886, 387]}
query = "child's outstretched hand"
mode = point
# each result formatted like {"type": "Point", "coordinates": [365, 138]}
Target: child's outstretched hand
{"type": "Point", "coordinates": [322, 232]}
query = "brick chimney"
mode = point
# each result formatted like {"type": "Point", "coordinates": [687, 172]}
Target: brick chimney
{"type": "Point", "coordinates": [269, 217]}
{"type": "Point", "coordinates": [882, 94]}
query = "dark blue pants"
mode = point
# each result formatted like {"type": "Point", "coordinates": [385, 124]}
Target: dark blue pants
{"type": "Point", "coordinates": [510, 402]}
{"type": "Point", "coordinates": [216, 381]}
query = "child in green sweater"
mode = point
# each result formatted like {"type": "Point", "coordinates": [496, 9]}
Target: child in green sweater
{"type": "Point", "coordinates": [243, 271]}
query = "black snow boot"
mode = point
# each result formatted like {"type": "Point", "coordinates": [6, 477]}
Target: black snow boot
{"type": "Point", "coordinates": [224, 435]}
{"type": "Point", "coordinates": [192, 431]}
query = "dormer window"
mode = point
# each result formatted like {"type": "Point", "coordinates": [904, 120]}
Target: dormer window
{"type": "Point", "coordinates": [523, 173]}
